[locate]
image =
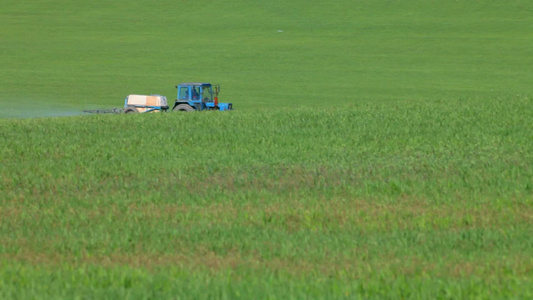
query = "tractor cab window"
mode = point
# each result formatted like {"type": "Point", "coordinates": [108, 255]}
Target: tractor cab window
{"type": "Point", "coordinates": [195, 93]}
{"type": "Point", "coordinates": [207, 94]}
{"type": "Point", "coordinates": [184, 93]}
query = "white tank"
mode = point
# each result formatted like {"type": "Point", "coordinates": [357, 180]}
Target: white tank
{"type": "Point", "coordinates": [144, 103]}
{"type": "Point", "coordinates": [153, 100]}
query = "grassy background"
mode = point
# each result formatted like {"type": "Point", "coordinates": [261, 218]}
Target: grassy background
{"type": "Point", "coordinates": [58, 57]}
{"type": "Point", "coordinates": [379, 149]}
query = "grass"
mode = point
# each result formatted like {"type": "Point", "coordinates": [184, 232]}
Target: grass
{"type": "Point", "coordinates": [419, 200]}
{"type": "Point", "coordinates": [58, 58]}
{"type": "Point", "coordinates": [379, 150]}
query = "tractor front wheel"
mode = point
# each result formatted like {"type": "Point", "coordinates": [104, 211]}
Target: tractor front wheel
{"type": "Point", "coordinates": [183, 107]}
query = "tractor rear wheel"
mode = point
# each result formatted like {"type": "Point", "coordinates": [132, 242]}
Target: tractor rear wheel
{"type": "Point", "coordinates": [130, 110]}
{"type": "Point", "coordinates": [183, 107]}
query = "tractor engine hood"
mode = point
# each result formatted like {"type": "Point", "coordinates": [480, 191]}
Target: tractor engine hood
{"type": "Point", "coordinates": [225, 106]}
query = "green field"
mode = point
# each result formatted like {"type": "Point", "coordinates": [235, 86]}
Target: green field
{"type": "Point", "coordinates": [378, 150]}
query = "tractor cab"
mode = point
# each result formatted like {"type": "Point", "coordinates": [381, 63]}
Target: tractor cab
{"type": "Point", "coordinates": [198, 96]}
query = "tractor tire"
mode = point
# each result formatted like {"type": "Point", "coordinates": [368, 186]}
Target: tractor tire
{"type": "Point", "coordinates": [183, 107]}
{"type": "Point", "coordinates": [130, 110]}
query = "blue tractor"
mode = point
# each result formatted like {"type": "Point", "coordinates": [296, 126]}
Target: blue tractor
{"type": "Point", "coordinates": [199, 96]}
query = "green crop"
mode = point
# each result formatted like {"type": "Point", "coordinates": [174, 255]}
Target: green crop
{"type": "Point", "coordinates": [59, 58]}
{"type": "Point", "coordinates": [379, 149]}
{"type": "Point", "coordinates": [418, 200]}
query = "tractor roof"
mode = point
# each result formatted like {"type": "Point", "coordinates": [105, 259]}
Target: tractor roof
{"type": "Point", "coordinates": [195, 83]}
